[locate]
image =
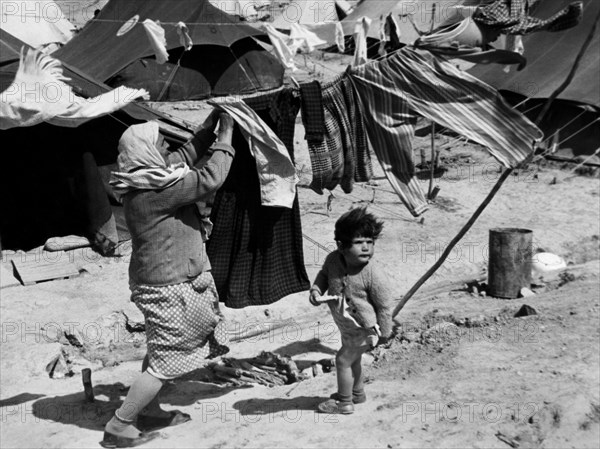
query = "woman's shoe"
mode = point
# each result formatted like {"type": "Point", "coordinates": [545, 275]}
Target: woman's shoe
{"type": "Point", "coordinates": [111, 440]}
{"type": "Point", "coordinates": [149, 423]}
{"type": "Point", "coordinates": [333, 407]}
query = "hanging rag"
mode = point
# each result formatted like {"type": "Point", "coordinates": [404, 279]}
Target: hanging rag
{"type": "Point", "coordinates": [39, 93]}
{"type": "Point", "coordinates": [313, 117]}
{"type": "Point", "coordinates": [392, 32]}
{"type": "Point", "coordinates": [276, 171]}
{"type": "Point", "coordinates": [514, 43]}
{"type": "Point", "coordinates": [156, 37]}
{"type": "Point", "coordinates": [184, 36]}
{"type": "Point", "coordinates": [340, 154]}
{"type": "Point", "coordinates": [512, 17]}
{"type": "Point", "coordinates": [282, 51]}
{"type": "Point", "coordinates": [360, 41]}
{"type": "Point", "coordinates": [381, 51]}
{"type": "Point", "coordinates": [256, 252]}
{"type": "Point", "coordinates": [411, 82]}
{"type": "Point", "coordinates": [304, 39]}
{"type": "Point", "coordinates": [328, 32]}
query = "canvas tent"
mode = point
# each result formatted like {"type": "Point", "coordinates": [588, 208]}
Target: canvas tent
{"type": "Point", "coordinates": [79, 12]}
{"type": "Point", "coordinates": [573, 121]}
{"type": "Point", "coordinates": [37, 23]}
{"type": "Point", "coordinates": [50, 176]}
{"type": "Point", "coordinates": [111, 46]}
{"type": "Point", "coordinates": [421, 11]}
{"type": "Point", "coordinates": [550, 56]}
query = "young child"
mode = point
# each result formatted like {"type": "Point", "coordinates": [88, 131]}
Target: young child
{"type": "Point", "coordinates": [362, 304]}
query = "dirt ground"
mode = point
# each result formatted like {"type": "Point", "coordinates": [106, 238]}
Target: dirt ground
{"type": "Point", "coordinates": [461, 372]}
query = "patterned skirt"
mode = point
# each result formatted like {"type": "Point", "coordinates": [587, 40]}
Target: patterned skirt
{"type": "Point", "coordinates": [183, 325]}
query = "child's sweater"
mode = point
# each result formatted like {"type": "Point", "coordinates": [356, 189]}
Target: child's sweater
{"type": "Point", "coordinates": [368, 293]}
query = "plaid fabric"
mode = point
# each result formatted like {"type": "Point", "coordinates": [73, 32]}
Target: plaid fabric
{"type": "Point", "coordinates": [313, 116]}
{"type": "Point", "coordinates": [363, 169]}
{"type": "Point", "coordinates": [393, 91]}
{"type": "Point", "coordinates": [256, 252]}
{"type": "Point", "coordinates": [341, 155]}
{"type": "Point", "coordinates": [512, 17]}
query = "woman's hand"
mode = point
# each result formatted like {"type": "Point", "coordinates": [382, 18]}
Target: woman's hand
{"type": "Point", "coordinates": [210, 123]}
{"type": "Point", "coordinates": [225, 128]}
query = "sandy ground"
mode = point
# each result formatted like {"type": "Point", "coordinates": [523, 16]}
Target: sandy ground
{"type": "Point", "coordinates": [486, 379]}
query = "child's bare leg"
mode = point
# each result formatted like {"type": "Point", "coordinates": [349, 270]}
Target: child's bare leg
{"type": "Point", "coordinates": [358, 386]}
{"type": "Point", "coordinates": [343, 364]}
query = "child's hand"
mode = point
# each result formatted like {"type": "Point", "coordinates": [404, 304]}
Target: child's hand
{"type": "Point", "coordinates": [314, 298]}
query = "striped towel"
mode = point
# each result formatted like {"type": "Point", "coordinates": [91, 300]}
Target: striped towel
{"type": "Point", "coordinates": [411, 82]}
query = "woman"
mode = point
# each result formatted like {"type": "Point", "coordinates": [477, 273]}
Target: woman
{"type": "Point", "coordinates": [169, 272]}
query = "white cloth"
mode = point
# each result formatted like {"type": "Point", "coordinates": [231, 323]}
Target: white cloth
{"type": "Point", "coordinates": [514, 43]}
{"type": "Point", "coordinates": [282, 51]}
{"type": "Point", "coordinates": [39, 94]}
{"type": "Point", "coordinates": [276, 171]}
{"type": "Point", "coordinates": [184, 36]}
{"type": "Point", "coordinates": [328, 32]}
{"type": "Point", "coordinates": [382, 37]}
{"type": "Point", "coordinates": [303, 39]}
{"type": "Point", "coordinates": [360, 41]}
{"type": "Point", "coordinates": [157, 39]}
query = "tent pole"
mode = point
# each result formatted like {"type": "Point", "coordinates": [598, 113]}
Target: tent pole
{"type": "Point", "coordinates": [456, 239]}
{"type": "Point", "coordinates": [500, 181]}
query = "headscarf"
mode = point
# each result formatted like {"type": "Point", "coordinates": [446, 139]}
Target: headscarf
{"type": "Point", "coordinates": [140, 164]}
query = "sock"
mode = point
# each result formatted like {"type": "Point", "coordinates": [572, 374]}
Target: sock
{"type": "Point", "coordinates": [143, 390]}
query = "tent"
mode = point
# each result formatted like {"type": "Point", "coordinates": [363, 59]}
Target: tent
{"type": "Point", "coordinates": [111, 46]}
{"type": "Point", "coordinates": [421, 11]}
{"type": "Point", "coordinates": [51, 177]}
{"type": "Point", "coordinates": [80, 12]}
{"type": "Point", "coordinates": [573, 121]}
{"type": "Point", "coordinates": [37, 23]}
{"type": "Point", "coordinates": [550, 57]}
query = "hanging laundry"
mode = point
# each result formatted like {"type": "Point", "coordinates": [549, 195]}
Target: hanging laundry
{"type": "Point", "coordinates": [360, 41]}
{"type": "Point", "coordinates": [39, 93]}
{"type": "Point", "coordinates": [410, 82]}
{"type": "Point", "coordinates": [514, 43]}
{"type": "Point", "coordinates": [328, 32]}
{"type": "Point", "coordinates": [512, 17]}
{"type": "Point", "coordinates": [381, 51]}
{"type": "Point", "coordinates": [303, 39]}
{"type": "Point", "coordinates": [184, 36]}
{"type": "Point", "coordinates": [339, 152]}
{"type": "Point", "coordinates": [276, 171]}
{"type": "Point", "coordinates": [256, 252]}
{"type": "Point", "coordinates": [469, 42]}
{"type": "Point", "coordinates": [313, 117]}
{"type": "Point", "coordinates": [392, 32]}
{"type": "Point", "coordinates": [282, 51]}
{"type": "Point", "coordinates": [157, 39]}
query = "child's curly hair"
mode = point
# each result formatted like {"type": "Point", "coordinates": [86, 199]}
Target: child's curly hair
{"type": "Point", "coordinates": [357, 223]}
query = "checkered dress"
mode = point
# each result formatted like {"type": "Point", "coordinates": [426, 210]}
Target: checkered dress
{"type": "Point", "coordinates": [181, 325]}
{"type": "Point", "coordinates": [512, 17]}
{"type": "Point", "coordinates": [255, 251]}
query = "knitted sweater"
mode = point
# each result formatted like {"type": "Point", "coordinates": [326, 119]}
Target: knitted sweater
{"type": "Point", "coordinates": [165, 224]}
{"type": "Point", "coordinates": [368, 293]}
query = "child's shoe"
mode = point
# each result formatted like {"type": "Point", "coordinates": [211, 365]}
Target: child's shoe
{"type": "Point", "coordinates": [357, 398]}
{"type": "Point", "coordinates": [333, 407]}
